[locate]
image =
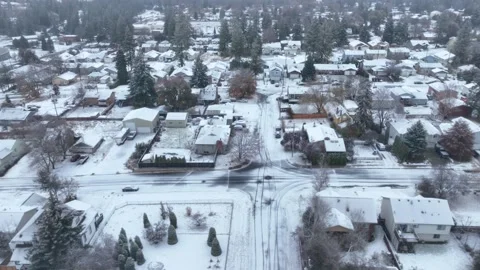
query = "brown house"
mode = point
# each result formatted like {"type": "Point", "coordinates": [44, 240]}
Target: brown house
{"type": "Point", "coordinates": [452, 107]}
{"type": "Point", "coordinates": [99, 98]}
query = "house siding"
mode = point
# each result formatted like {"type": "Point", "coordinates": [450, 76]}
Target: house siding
{"type": "Point", "coordinates": [176, 123]}
{"type": "Point", "coordinates": [139, 124]}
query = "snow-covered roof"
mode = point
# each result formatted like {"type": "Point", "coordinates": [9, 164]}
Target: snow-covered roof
{"type": "Point", "coordinates": [439, 70]}
{"type": "Point", "coordinates": [420, 42]}
{"type": "Point", "coordinates": [350, 105]}
{"type": "Point", "coordinates": [427, 211]}
{"type": "Point", "coordinates": [210, 134]}
{"type": "Point", "coordinates": [335, 218]}
{"type": "Point", "coordinates": [146, 114]}
{"type": "Point", "coordinates": [402, 126]}
{"type": "Point", "coordinates": [78, 205]}
{"type": "Point", "coordinates": [333, 67]}
{"type": "Point", "coordinates": [466, 67]}
{"type": "Point", "coordinates": [355, 43]}
{"type": "Point", "coordinates": [376, 52]}
{"type": "Point", "coordinates": [399, 50]}
{"type": "Point", "coordinates": [376, 62]}
{"type": "Point", "coordinates": [335, 145]}
{"type": "Point", "coordinates": [90, 138]}
{"type": "Point", "coordinates": [353, 52]}
{"type": "Point", "coordinates": [176, 116]}
{"type": "Point", "coordinates": [151, 54]}
{"type": "Point", "coordinates": [185, 70]}
{"type": "Point", "coordinates": [360, 210]}
{"type": "Point", "coordinates": [67, 76]}
{"type": "Point", "coordinates": [317, 132]}
{"type": "Point", "coordinates": [474, 127]}
{"type": "Point", "coordinates": [14, 114]}
{"type": "Point", "coordinates": [418, 111]}
{"type": "Point", "coordinates": [444, 55]}
{"type": "Point", "coordinates": [168, 54]}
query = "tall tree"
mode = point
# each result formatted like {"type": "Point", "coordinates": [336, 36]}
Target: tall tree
{"type": "Point", "coordinates": [318, 42]}
{"type": "Point", "coordinates": [256, 64]}
{"type": "Point", "coordinates": [238, 41]}
{"type": "Point", "coordinates": [50, 46]}
{"type": "Point", "coordinates": [363, 116]}
{"type": "Point", "coordinates": [121, 65]}
{"type": "Point", "coordinates": [199, 77]}
{"type": "Point", "coordinates": [142, 84]}
{"type": "Point", "coordinates": [389, 31]}
{"type": "Point", "coordinates": [243, 84]}
{"type": "Point", "coordinates": [128, 46]}
{"type": "Point", "coordinates": [458, 141]}
{"type": "Point", "coordinates": [176, 94]}
{"type": "Point", "coordinates": [169, 24]}
{"type": "Point", "coordinates": [297, 31]}
{"type": "Point", "coordinates": [340, 34]}
{"type": "Point", "coordinates": [283, 30]}
{"type": "Point", "coordinates": [183, 32]}
{"type": "Point", "coordinates": [308, 71]}
{"type": "Point", "coordinates": [364, 34]}
{"type": "Point", "coordinates": [401, 33]}
{"type": "Point", "coordinates": [224, 39]}
{"type": "Point", "coordinates": [416, 141]}
{"type": "Point", "coordinates": [461, 49]}
{"type": "Point", "coordinates": [266, 20]}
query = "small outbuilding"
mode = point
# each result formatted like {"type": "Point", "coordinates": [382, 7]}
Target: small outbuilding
{"type": "Point", "coordinates": [65, 78]}
{"type": "Point", "coordinates": [143, 120]}
{"type": "Point", "coordinates": [176, 120]}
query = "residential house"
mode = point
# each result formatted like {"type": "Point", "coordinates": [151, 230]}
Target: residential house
{"type": "Point", "coordinates": [418, 44]}
{"type": "Point", "coordinates": [149, 45]}
{"type": "Point", "coordinates": [352, 55]}
{"type": "Point", "coordinates": [68, 39]}
{"type": "Point", "coordinates": [358, 45]}
{"type": "Point", "coordinates": [190, 54]}
{"type": "Point", "coordinates": [379, 71]}
{"type": "Point", "coordinates": [294, 94]}
{"type": "Point", "coordinates": [293, 47]}
{"type": "Point", "coordinates": [409, 221]}
{"type": "Point", "coordinates": [409, 96]}
{"type": "Point", "coordinates": [454, 107]}
{"type": "Point", "coordinates": [337, 222]}
{"type": "Point", "coordinates": [375, 54]}
{"type": "Point", "coordinates": [143, 120]}
{"type": "Point", "coordinates": [86, 216]}
{"type": "Point", "coordinates": [426, 68]}
{"type": "Point", "coordinates": [398, 53]}
{"type": "Point", "coordinates": [439, 73]}
{"type": "Point", "coordinates": [336, 112]}
{"type": "Point", "coordinates": [444, 57]}
{"type": "Point", "coordinates": [430, 36]}
{"type": "Point", "coordinates": [10, 152]}
{"type": "Point", "coordinates": [326, 135]}
{"type": "Point", "coordinates": [275, 73]}
{"type": "Point", "coordinates": [184, 72]}
{"type": "Point", "coordinates": [95, 76]}
{"type": "Point", "coordinates": [100, 97]}
{"type": "Point", "coordinates": [332, 69]}
{"type": "Point", "coordinates": [65, 78]}
{"type": "Point", "coordinates": [151, 55]}
{"type": "Point", "coordinates": [440, 90]}
{"type": "Point", "coordinates": [208, 95]}
{"type": "Point", "coordinates": [219, 109]}
{"type": "Point", "coordinates": [212, 139]}
{"type": "Point", "coordinates": [400, 127]}
{"type": "Point", "coordinates": [407, 68]}
{"type": "Point", "coordinates": [424, 112]}
{"type": "Point", "coordinates": [164, 46]}
{"type": "Point", "coordinates": [4, 54]}
{"type": "Point", "coordinates": [88, 143]}
{"type": "Point", "coordinates": [176, 120]}
{"type": "Point", "coordinates": [294, 73]}
{"type": "Point", "coordinates": [474, 127]}
{"type": "Point", "coordinates": [14, 116]}
{"type": "Point", "coordinates": [378, 44]}
{"type": "Point", "coordinates": [367, 65]}
{"type": "Point", "coordinates": [272, 48]}
{"type": "Point", "coordinates": [167, 56]}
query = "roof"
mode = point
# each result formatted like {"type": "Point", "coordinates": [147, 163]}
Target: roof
{"type": "Point", "coordinates": [474, 127]}
{"type": "Point", "coordinates": [355, 43]}
{"type": "Point", "coordinates": [438, 86]}
{"type": "Point", "coordinates": [142, 113]}
{"type": "Point", "coordinates": [175, 116]}
{"type": "Point", "coordinates": [376, 52]}
{"type": "Point", "coordinates": [317, 132]}
{"type": "Point", "coordinates": [420, 42]}
{"type": "Point", "coordinates": [274, 45]}
{"type": "Point", "coordinates": [336, 145]}
{"type": "Point", "coordinates": [342, 67]}
{"type": "Point", "coordinates": [428, 211]}
{"type": "Point", "coordinates": [187, 71]}
{"type": "Point", "coordinates": [90, 138]}
{"type": "Point", "coordinates": [362, 210]}
{"type": "Point", "coordinates": [336, 218]}
{"type": "Point", "coordinates": [444, 55]}
{"type": "Point", "coordinates": [14, 114]}
{"type": "Point", "coordinates": [399, 50]}
{"type": "Point", "coordinates": [350, 105]}
{"type": "Point", "coordinates": [210, 134]}
{"type": "Point", "coordinates": [439, 70]}
{"type": "Point", "coordinates": [354, 52]}
{"type": "Point", "coordinates": [34, 199]}
{"type": "Point", "coordinates": [78, 205]}
{"type": "Point", "coordinates": [402, 126]}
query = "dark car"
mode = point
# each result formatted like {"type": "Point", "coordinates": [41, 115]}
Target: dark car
{"type": "Point", "coordinates": [74, 158]}
{"type": "Point", "coordinates": [278, 134]}
{"type": "Point", "coordinates": [130, 189]}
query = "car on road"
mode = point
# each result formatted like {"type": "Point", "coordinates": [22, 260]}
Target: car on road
{"type": "Point", "coordinates": [278, 134]}
{"type": "Point", "coordinates": [130, 189]}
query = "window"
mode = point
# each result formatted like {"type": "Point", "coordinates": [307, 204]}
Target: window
{"type": "Point", "coordinates": [441, 227]}
{"type": "Point", "coordinates": [436, 236]}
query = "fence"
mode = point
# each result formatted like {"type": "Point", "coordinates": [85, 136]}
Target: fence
{"type": "Point", "coordinates": [392, 251]}
{"type": "Point", "coordinates": [178, 165]}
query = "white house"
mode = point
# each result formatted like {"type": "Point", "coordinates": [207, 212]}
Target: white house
{"type": "Point", "coordinates": [167, 56]}
{"type": "Point", "coordinates": [184, 72]}
{"type": "Point", "coordinates": [293, 47]}
{"type": "Point", "coordinates": [87, 216]}
{"type": "Point", "coordinates": [400, 128]}
{"type": "Point", "coordinates": [143, 120]}
{"type": "Point", "coordinates": [358, 45]}
{"type": "Point", "coordinates": [10, 152]}
{"type": "Point", "coordinates": [416, 220]}
{"type": "Point", "coordinates": [336, 69]}
{"type": "Point", "coordinates": [272, 48]}
{"type": "Point", "coordinates": [375, 54]}
{"type": "Point", "coordinates": [65, 78]}
{"type": "Point", "coordinates": [88, 143]}
{"type": "Point", "coordinates": [474, 127]}
{"type": "Point", "coordinates": [212, 139]}
{"type": "Point", "coordinates": [176, 120]}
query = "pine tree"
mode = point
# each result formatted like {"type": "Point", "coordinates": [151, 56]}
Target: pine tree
{"type": "Point", "coordinates": [121, 65]}
{"type": "Point", "coordinates": [416, 141]}
{"type": "Point", "coordinates": [121, 261]}
{"type": "Point", "coordinates": [283, 30]}
{"type": "Point", "coordinates": [389, 32]}
{"type": "Point", "coordinates": [44, 45]}
{"type": "Point", "coordinates": [364, 34]}
{"type": "Point", "coordinates": [212, 234]}
{"type": "Point", "coordinates": [401, 33]}
{"type": "Point", "coordinates": [363, 116]}
{"type": "Point", "coordinates": [130, 264]}
{"type": "Point", "coordinates": [138, 242]}
{"type": "Point", "coordinates": [183, 32]}
{"type": "Point", "coordinates": [256, 64]}
{"type": "Point", "coordinates": [318, 42]}
{"type": "Point", "coordinates": [23, 43]}
{"type": "Point", "coordinates": [461, 48]}
{"type": "Point", "coordinates": [216, 249]}
{"type": "Point", "coordinates": [266, 20]}
{"type": "Point", "coordinates": [199, 77]}
{"type": "Point", "coordinates": [341, 34]}
{"type": "Point", "coordinates": [173, 219]}
{"type": "Point", "coordinates": [458, 141]}
{"type": "Point", "coordinates": [50, 46]}
{"type": "Point", "coordinates": [133, 249]}
{"type": "Point", "coordinates": [224, 39]}
{"type": "Point", "coordinates": [169, 24]}
{"type": "Point", "coordinates": [54, 238]}
{"type": "Point", "coordinates": [238, 41]}
{"type": "Point", "coordinates": [8, 100]}
{"type": "Point", "coordinates": [142, 84]}
{"type": "Point", "coordinates": [172, 235]}
{"type": "Point", "coordinates": [146, 222]}
{"type": "Point", "coordinates": [123, 232]}
{"type": "Point", "coordinates": [297, 31]}
{"type": "Point", "coordinates": [140, 257]}
{"type": "Point", "coordinates": [308, 71]}
{"type": "Point", "coordinates": [128, 45]}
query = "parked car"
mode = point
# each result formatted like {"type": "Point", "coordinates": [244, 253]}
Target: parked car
{"type": "Point", "coordinates": [82, 159]}
{"type": "Point", "coordinates": [131, 135]}
{"type": "Point", "coordinates": [441, 151]}
{"type": "Point", "coordinates": [238, 127]}
{"type": "Point", "coordinates": [130, 189]}
{"type": "Point", "coordinates": [74, 158]}
{"type": "Point", "coordinates": [243, 123]}
{"type": "Point", "coordinates": [380, 146]}
{"type": "Point", "coordinates": [224, 101]}
{"type": "Point", "coordinates": [278, 134]}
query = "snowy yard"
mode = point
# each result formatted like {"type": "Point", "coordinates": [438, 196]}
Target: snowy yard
{"type": "Point", "coordinates": [82, 112]}
{"type": "Point", "coordinates": [191, 241]}
{"type": "Point", "coordinates": [118, 112]}
{"type": "Point", "coordinates": [176, 137]}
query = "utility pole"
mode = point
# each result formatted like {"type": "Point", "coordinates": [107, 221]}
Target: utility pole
{"type": "Point", "coordinates": [54, 101]}
{"type": "Point", "coordinates": [293, 137]}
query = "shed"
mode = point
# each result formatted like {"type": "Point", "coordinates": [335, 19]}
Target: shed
{"type": "Point", "coordinates": [176, 120]}
{"type": "Point", "coordinates": [87, 144]}
{"type": "Point", "coordinates": [65, 78]}
{"type": "Point", "coordinates": [143, 120]}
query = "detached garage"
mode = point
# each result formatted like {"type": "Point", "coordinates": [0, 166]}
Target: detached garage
{"type": "Point", "coordinates": [176, 120]}
{"type": "Point", "coordinates": [143, 120]}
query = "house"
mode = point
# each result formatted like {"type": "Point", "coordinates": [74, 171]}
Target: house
{"type": "Point", "coordinates": [4, 54]}
{"type": "Point", "coordinates": [151, 55]}
{"type": "Point", "coordinates": [184, 72]}
{"type": "Point", "coordinates": [336, 112]}
{"type": "Point", "coordinates": [440, 90]}
{"type": "Point", "coordinates": [352, 55]}
{"type": "Point", "coordinates": [293, 47]}
{"type": "Point", "coordinates": [474, 127]}
{"type": "Point", "coordinates": [378, 44]}
{"type": "Point", "coordinates": [190, 54]}
{"type": "Point", "coordinates": [68, 39]}
{"type": "Point", "coordinates": [86, 216]}
{"type": "Point", "coordinates": [167, 56]}
{"type": "Point", "coordinates": [88, 143]}
{"type": "Point", "coordinates": [143, 120]}
{"type": "Point", "coordinates": [409, 96]}
{"type": "Point", "coordinates": [14, 116]}
{"type": "Point", "coordinates": [272, 48]}
{"type": "Point", "coordinates": [149, 45]}
{"type": "Point", "coordinates": [65, 78]}
{"type": "Point", "coordinates": [164, 46]}
{"type": "Point", "coordinates": [454, 107]}
{"type": "Point", "coordinates": [379, 71]}
{"type": "Point", "coordinates": [424, 112]}
{"type": "Point", "coordinates": [400, 128]}
{"type": "Point", "coordinates": [398, 53]}
{"type": "Point", "coordinates": [219, 109]}
{"type": "Point", "coordinates": [418, 44]}
{"type": "Point", "coordinates": [369, 64]}
{"type": "Point", "coordinates": [275, 73]}
{"type": "Point", "coordinates": [407, 68]}
{"type": "Point", "coordinates": [333, 69]}
{"type": "Point", "coordinates": [208, 95]}
{"type": "Point", "coordinates": [426, 68]}
{"type": "Point", "coordinates": [439, 73]}
{"type": "Point", "coordinates": [337, 222]}
{"type": "Point", "coordinates": [10, 152]}
{"type": "Point", "coordinates": [375, 54]}
{"type": "Point", "coordinates": [409, 221]}
{"type": "Point", "coordinates": [358, 45]}
{"type": "Point", "coordinates": [326, 135]}
{"type": "Point", "coordinates": [212, 139]}
{"type": "Point", "coordinates": [430, 36]}
{"type": "Point", "coordinates": [176, 120]}
{"type": "Point", "coordinates": [294, 73]}
{"type": "Point", "coordinates": [101, 97]}
{"type": "Point", "coordinates": [444, 57]}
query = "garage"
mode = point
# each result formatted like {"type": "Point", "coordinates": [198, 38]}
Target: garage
{"type": "Point", "coordinates": [143, 120]}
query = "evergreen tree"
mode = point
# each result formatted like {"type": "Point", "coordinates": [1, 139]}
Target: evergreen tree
{"type": "Point", "coordinates": [224, 39]}
{"type": "Point", "coordinates": [283, 30]}
{"type": "Point", "coordinates": [251, 35]}
{"type": "Point", "coordinates": [146, 222]}
{"type": "Point", "coordinates": [44, 45]}
{"type": "Point", "coordinates": [176, 94]}
{"type": "Point", "coordinates": [461, 49]}
{"type": "Point", "coordinates": [363, 117]}
{"type": "Point", "coordinates": [389, 32]}
{"type": "Point", "coordinates": [364, 34]}
{"type": "Point", "coordinates": [173, 219]}
{"type": "Point", "coordinates": [416, 141]}
{"type": "Point", "coordinates": [458, 141]}
{"type": "Point", "coordinates": [297, 31]}
{"type": "Point", "coordinates": [199, 77]}
{"type": "Point", "coordinates": [266, 20]}
{"type": "Point", "coordinates": [54, 237]}
{"type": "Point", "coordinates": [121, 65]}
{"type": "Point", "coordinates": [138, 242]}
{"type": "Point", "coordinates": [128, 46]}
{"type": "Point", "coordinates": [341, 34]}
{"type": "Point", "coordinates": [140, 257]}
{"type": "Point", "coordinates": [121, 261]}
{"type": "Point", "coordinates": [23, 43]}
{"type": "Point", "coordinates": [181, 38]}
{"type": "Point", "coordinates": [212, 234]}
{"type": "Point", "coordinates": [172, 235]}
{"type": "Point", "coordinates": [50, 46]}
{"type": "Point", "coordinates": [238, 41]}
{"type": "Point", "coordinates": [401, 33]}
{"type": "Point", "coordinates": [308, 71]}
{"type": "Point", "coordinates": [133, 249]}
{"type": "Point", "coordinates": [142, 84]}
{"type": "Point", "coordinates": [216, 249]}
{"type": "Point", "coordinates": [169, 24]}
{"type": "Point", "coordinates": [318, 42]}
{"type": "Point", "coordinates": [256, 61]}
{"type": "Point", "coordinates": [119, 32]}
{"type": "Point", "coordinates": [8, 100]}
{"type": "Point", "coordinates": [222, 14]}
{"type": "Point", "coordinates": [129, 264]}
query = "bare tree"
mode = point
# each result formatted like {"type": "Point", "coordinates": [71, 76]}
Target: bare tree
{"type": "Point", "coordinates": [393, 72]}
{"type": "Point", "coordinates": [317, 96]}
{"type": "Point", "coordinates": [444, 184]}
{"type": "Point", "coordinates": [64, 136]}
{"type": "Point", "coordinates": [156, 233]}
{"type": "Point", "coordinates": [243, 84]}
{"type": "Point", "coordinates": [49, 182]}
{"type": "Point", "coordinates": [99, 257]}
{"type": "Point", "coordinates": [338, 94]}
{"type": "Point", "coordinates": [246, 145]}
{"type": "Point", "coordinates": [449, 101]}
{"type": "Point", "coordinates": [199, 221]}
{"type": "Point", "coordinates": [321, 180]}
{"type": "Point", "coordinates": [354, 87]}
{"type": "Point", "coordinates": [383, 106]}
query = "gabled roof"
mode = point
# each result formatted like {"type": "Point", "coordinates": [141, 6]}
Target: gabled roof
{"type": "Point", "coordinates": [175, 116]}
{"type": "Point", "coordinates": [425, 211]}
{"type": "Point", "coordinates": [335, 218]}
{"type": "Point", "coordinates": [361, 210]}
{"type": "Point", "coordinates": [210, 134]}
{"type": "Point", "coordinates": [142, 113]}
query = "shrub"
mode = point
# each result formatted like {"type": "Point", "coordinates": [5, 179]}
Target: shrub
{"type": "Point", "coordinates": [188, 211]}
{"type": "Point", "coordinates": [216, 249]}
{"type": "Point", "coordinates": [173, 219]}
{"type": "Point", "coordinates": [172, 236]}
{"type": "Point", "coordinates": [130, 264]}
{"type": "Point", "coordinates": [133, 249]}
{"type": "Point", "coordinates": [156, 233]}
{"type": "Point", "coordinates": [212, 234]}
{"type": "Point", "coordinates": [140, 257]}
{"type": "Point", "coordinates": [138, 242]}
{"type": "Point", "coordinates": [146, 222]}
